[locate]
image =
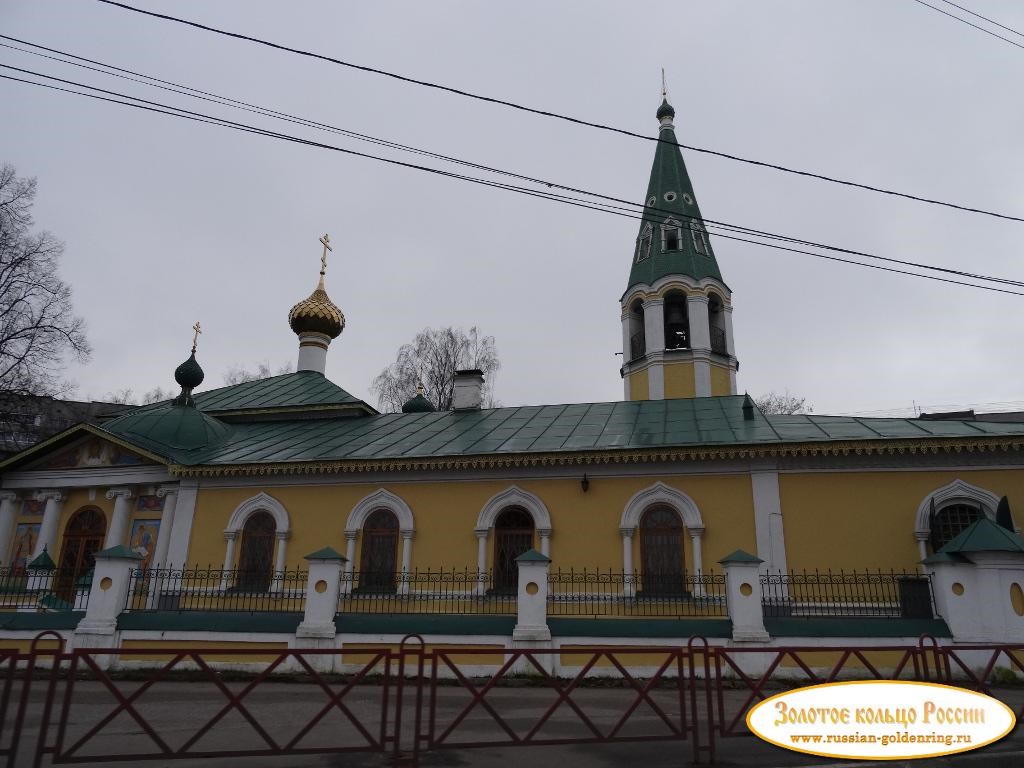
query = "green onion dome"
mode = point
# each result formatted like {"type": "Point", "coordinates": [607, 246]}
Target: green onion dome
{"type": "Point", "coordinates": [665, 110]}
{"type": "Point", "coordinates": [418, 404]}
{"type": "Point", "coordinates": [189, 374]}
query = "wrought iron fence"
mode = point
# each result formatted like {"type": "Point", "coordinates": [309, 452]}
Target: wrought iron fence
{"type": "Point", "coordinates": [439, 591]}
{"type": "Point", "coordinates": [855, 594]}
{"type": "Point", "coordinates": [617, 593]}
{"type": "Point", "coordinates": [44, 590]}
{"type": "Point", "coordinates": [215, 589]}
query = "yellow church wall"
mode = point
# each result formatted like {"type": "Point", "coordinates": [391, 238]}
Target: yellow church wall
{"type": "Point", "coordinates": [720, 383]}
{"type": "Point", "coordinates": [858, 520]}
{"type": "Point", "coordinates": [639, 388]}
{"type": "Point", "coordinates": [585, 525]}
{"type": "Point", "coordinates": [679, 380]}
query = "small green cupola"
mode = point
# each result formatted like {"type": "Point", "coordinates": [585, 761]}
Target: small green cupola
{"type": "Point", "coordinates": [418, 403]}
{"type": "Point", "coordinates": [189, 374]}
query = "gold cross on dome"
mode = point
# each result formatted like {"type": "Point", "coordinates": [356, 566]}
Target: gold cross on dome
{"type": "Point", "coordinates": [326, 240]}
{"type": "Point", "coordinates": [195, 336]}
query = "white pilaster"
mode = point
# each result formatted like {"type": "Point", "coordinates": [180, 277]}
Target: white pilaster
{"type": "Point", "coordinates": [656, 379]}
{"type": "Point", "coordinates": [768, 528]}
{"type": "Point", "coordinates": [730, 345]}
{"type": "Point", "coordinates": [697, 313]}
{"type": "Point", "coordinates": [282, 549]}
{"type": "Point", "coordinates": [702, 378]}
{"type": "Point", "coordinates": [628, 584]}
{"type": "Point", "coordinates": [627, 337]}
{"type": "Point", "coordinates": [545, 541]}
{"type": "Point", "coordinates": [922, 542]}
{"type": "Point", "coordinates": [181, 528]}
{"type": "Point", "coordinates": [117, 533]}
{"type": "Point", "coordinates": [732, 381]}
{"type": "Point", "coordinates": [51, 520]}
{"type": "Point", "coordinates": [8, 517]}
{"type": "Point", "coordinates": [654, 325]}
{"type": "Point", "coordinates": [169, 493]}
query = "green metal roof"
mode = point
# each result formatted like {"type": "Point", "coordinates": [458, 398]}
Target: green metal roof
{"type": "Point", "coordinates": [693, 422]}
{"type": "Point", "coordinates": [984, 536]}
{"type": "Point", "coordinates": [179, 427]}
{"type": "Point", "coordinates": [670, 178]}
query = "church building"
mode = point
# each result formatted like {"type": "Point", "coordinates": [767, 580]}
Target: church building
{"type": "Point", "coordinates": [680, 474]}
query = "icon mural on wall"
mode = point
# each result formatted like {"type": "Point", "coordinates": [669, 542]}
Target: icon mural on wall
{"type": "Point", "coordinates": [93, 452]}
{"type": "Point", "coordinates": [25, 537]}
{"type": "Point", "coordinates": [143, 541]}
{"type": "Point", "coordinates": [32, 507]}
{"type": "Point", "coordinates": [150, 503]}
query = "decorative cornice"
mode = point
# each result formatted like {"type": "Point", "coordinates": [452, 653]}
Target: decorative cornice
{"type": "Point", "coordinates": [954, 445]}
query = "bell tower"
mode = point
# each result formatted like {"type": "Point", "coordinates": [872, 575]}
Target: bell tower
{"type": "Point", "coordinates": [677, 311]}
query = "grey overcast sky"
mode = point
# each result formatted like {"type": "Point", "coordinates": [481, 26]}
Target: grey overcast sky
{"type": "Point", "coordinates": [168, 221]}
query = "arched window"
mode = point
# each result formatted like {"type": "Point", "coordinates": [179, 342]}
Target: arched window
{"type": "Point", "coordinates": [379, 553]}
{"type": "Point", "coordinates": [671, 235]}
{"type": "Point", "coordinates": [83, 538]}
{"type": "Point", "coordinates": [643, 245]}
{"type": "Point", "coordinates": [950, 521]}
{"type": "Point", "coordinates": [677, 321]}
{"type": "Point", "coordinates": [661, 552]}
{"type": "Point", "coordinates": [637, 338]}
{"type": "Point", "coordinates": [716, 325]}
{"type": "Point", "coordinates": [256, 560]}
{"type": "Point", "coordinates": [513, 535]}
{"type": "Point", "coordinates": [700, 237]}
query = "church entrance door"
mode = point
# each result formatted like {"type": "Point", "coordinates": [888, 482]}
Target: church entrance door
{"type": "Point", "coordinates": [256, 562]}
{"type": "Point", "coordinates": [513, 535]}
{"type": "Point", "coordinates": [83, 538]}
{"type": "Point", "coordinates": [661, 550]}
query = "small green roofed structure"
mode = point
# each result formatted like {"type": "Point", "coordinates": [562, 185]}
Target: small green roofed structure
{"type": "Point", "coordinates": [739, 556]}
{"type": "Point", "coordinates": [984, 536]}
{"type": "Point", "coordinates": [327, 553]}
{"type": "Point", "coordinates": [533, 556]}
{"type": "Point", "coordinates": [418, 403]}
{"type": "Point", "coordinates": [42, 562]}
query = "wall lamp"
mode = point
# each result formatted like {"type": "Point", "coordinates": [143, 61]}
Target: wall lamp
{"type": "Point", "coordinates": [584, 483]}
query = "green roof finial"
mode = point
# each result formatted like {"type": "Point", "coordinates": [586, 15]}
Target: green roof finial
{"type": "Point", "coordinates": [189, 374]}
{"type": "Point", "coordinates": [665, 110]}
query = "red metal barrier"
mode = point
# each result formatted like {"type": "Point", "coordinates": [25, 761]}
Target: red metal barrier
{"type": "Point", "coordinates": [64, 705]}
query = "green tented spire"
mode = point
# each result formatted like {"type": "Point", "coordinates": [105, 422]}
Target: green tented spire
{"type": "Point", "coordinates": [670, 195]}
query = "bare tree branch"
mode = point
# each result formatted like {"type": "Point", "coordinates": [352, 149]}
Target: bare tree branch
{"type": "Point", "coordinates": [783, 404]}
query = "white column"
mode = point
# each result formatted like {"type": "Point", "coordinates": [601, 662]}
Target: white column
{"type": "Point", "coordinates": [654, 325]}
{"type": "Point", "coordinates": [229, 557]}
{"type": "Point", "coordinates": [403, 582]}
{"type": "Point", "coordinates": [701, 378]}
{"type": "Point", "coordinates": [729, 344]}
{"type": "Point", "coordinates": [545, 541]}
{"type": "Point", "coordinates": [481, 559]}
{"type": "Point", "coordinates": [697, 313]}
{"type": "Point", "coordinates": [51, 519]}
{"type": "Point", "coordinates": [628, 583]}
{"type": "Point", "coordinates": [698, 562]}
{"type": "Point", "coordinates": [350, 560]}
{"type": "Point", "coordinates": [626, 337]}
{"type": "Point", "coordinates": [922, 540]}
{"type": "Point", "coordinates": [282, 545]}
{"type": "Point", "coordinates": [8, 516]}
{"type": "Point", "coordinates": [117, 534]}
{"type": "Point", "coordinates": [169, 493]}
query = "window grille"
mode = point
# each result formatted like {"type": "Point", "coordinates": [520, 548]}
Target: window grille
{"type": "Point", "coordinates": [950, 521]}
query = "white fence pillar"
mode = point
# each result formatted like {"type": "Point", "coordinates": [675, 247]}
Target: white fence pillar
{"type": "Point", "coordinates": [743, 593]}
{"type": "Point", "coordinates": [323, 591]}
{"type": "Point", "coordinates": [532, 602]}
{"type": "Point", "coordinates": [111, 581]}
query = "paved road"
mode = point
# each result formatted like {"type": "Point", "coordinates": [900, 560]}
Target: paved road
{"type": "Point", "coordinates": [176, 710]}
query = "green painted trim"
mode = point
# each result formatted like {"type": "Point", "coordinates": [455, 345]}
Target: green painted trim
{"type": "Point", "coordinates": [423, 624]}
{"type": "Point", "coordinates": [572, 627]}
{"type": "Point", "coordinates": [29, 621]}
{"type": "Point", "coordinates": [739, 556]}
{"type": "Point", "coordinates": [118, 552]}
{"type": "Point", "coordinates": [327, 553]}
{"type": "Point", "coordinates": [856, 627]}
{"type": "Point", "coordinates": [533, 556]}
{"type": "Point", "coordinates": [210, 621]}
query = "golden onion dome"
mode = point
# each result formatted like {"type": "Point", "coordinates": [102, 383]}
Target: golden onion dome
{"type": "Point", "coordinates": [317, 314]}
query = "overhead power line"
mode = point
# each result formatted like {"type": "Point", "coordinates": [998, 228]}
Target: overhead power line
{"type": "Point", "coordinates": [156, 107]}
{"type": "Point", "coordinates": [963, 21]}
{"type": "Point", "coordinates": [993, 22]}
{"type": "Point", "coordinates": [559, 116]}
{"type": "Point", "coordinates": [612, 204]}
